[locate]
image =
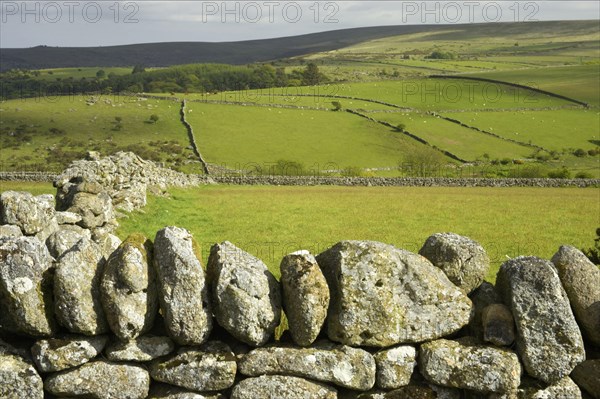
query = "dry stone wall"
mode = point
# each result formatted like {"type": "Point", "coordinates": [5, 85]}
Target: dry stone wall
{"type": "Point", "coordinates": [83, 314]}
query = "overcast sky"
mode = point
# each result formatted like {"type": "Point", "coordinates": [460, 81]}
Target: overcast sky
{"type": "Point", "coordinates": [102, 23]}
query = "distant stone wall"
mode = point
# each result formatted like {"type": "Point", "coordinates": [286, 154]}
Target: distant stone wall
{"type": "Point", "coordinates": [28, 176]}
{"type": "Point", "coordinates": [83, 314]}
{"type": "Point", "coordinates": [275, 180]}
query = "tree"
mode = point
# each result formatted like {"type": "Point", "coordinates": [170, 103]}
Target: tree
{"type": "Point", "coordinates": [118, 125]}
{"type": "Point", "coordinates": [422, 162]}
{"type": "Point", "coordinates": [138, 69]}
{"type": "Point", "coordinates": [337, 106]}
{"type": "Point", "coordinates": [154, 118]}
{"type": "Point", "coordinates": [311, 75]}
{"type": "Point", "coordinates": [400, 127]}
{"type": "Point", "coordinates": [100, 74]}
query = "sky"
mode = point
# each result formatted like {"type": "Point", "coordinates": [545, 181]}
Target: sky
{"type": "Point", "coordinates": [72, 23]}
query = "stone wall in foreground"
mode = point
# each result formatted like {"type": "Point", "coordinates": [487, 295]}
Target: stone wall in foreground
{"type": "Point", "coordinates": [83, 314]}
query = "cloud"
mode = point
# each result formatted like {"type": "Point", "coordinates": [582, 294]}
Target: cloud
{"type": "Point", "coordinates": [36, 23]}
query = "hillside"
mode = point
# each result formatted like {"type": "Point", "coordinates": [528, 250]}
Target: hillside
{"type": "Point", "coordinates": [166, 54]}
{"type": "Point", "coordinates": [243, 52]}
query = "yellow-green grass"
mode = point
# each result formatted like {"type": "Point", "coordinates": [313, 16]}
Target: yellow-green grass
{"type": "Point", "coordinates": [34, 188]}
{"type": "Point", "coordinates": [445, 94]}
{"type": "Point", "coordinates": [465, 143]}
{"type": "Point", "coordinates": [554, 130]}
{"type": "Point", "coordinates": [422, 94]}
{"type": "Point", "coordinates": [578, 82]}
{"type": "Point", "coordinates": [306, 96]}
{"type": "Point", "coordinates": [244, 137]}
{"type": "Point", "coordinates": [270, 222]}
{"type": "Point", "coordinates": [26, 139]}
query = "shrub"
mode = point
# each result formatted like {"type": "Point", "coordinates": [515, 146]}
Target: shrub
{"type": "Point", "coordinates": [593, 152]}
{"type": "Point", "coordinates": [352, 171]}
{"type": "Point", "coordinates": [580, 152]}
{"type": "Point", "coordinates": [337, 106]}
{"type": "Point", "coordinates": [400, 127]}
{"type": "Point", "coordinates": [563, 173]}
{"type": "Point", "coordinates": [593, 253]}
{"type": "Point", "coordinates": [529, 172]}
{"type": "Point", "coordinates": [422, 162]}
{"type": "Point", "coordinates": [505, 161]}
{"type": "Point", "coordinates": [584, 175]}
{"type": "Point", "coordinates": [284, 167]}
{"type": "Point", "coordinates": [154, 118]}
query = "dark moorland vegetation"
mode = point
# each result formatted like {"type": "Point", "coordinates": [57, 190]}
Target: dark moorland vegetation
{"type": "Point", "coordinates": [198, 78]}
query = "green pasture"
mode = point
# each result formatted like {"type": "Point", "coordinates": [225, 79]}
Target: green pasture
{"type": "Point", "coordinates": [50, 132]}
{"type": "Point", "coordinates": [467, 144]}
{"type": "Point", "coordinates": [553, 130]}
{"type": "Point", "coordinates": [34, 188]}
{"type": "Point", "coordinates": [242, 137]}
{"type": "Point", "coordinates": [578, 82]}
{"type": "Point", "coordinates": [270, 222]}
{"type": "Point", "coordinates": [445, 94]}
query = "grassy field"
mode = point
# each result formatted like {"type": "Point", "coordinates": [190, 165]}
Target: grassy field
{"type": "Point", "coordinates": [578, 82]}
{"type": "Point", "coordinates": [240, 137]}
{"type": "Point", "coordinates": [441, 94]}
{"type": "Point", "coordinates": [270, 222]}
{"type": "Point", "coordinates": [562, 57]}
{"type": "Point", "coordinates": [47, 133]}
{"type": "Point", "coordinates": [466, 143]}
{"type": "Point", "coordinates": [554, 130]}
{"type": "Point", "coordinates": [32, 187]}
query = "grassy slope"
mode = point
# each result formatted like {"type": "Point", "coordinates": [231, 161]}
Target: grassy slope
{"type": "Point", "coordinates": [465, 143]}
{"type": "Point", "coordinates": [244, 136]}
{"type": "Point", "coordinates": [85, 127]}
{"type": "Point", "coordinates": [554, 130]}
{"type": "Point", "coordinates": [273, 221]}
{"type": "Point", "coordinates": [578, 82]}
{"type": "Point", "coordinates": [440, 94]}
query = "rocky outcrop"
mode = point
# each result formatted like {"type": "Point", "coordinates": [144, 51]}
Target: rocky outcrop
{"type": "Point", "coordinates": [395, 366]}
{"type": "Point", "coordinates": [101, 379]}
{"type": "Point", "coordinates": [31, 214]}
{"type": "Point", "coordinates": [78, 305]}
{"type": "Point", "coordinates": [19, 379]}
{"type": "Point", "coordinates": [498, 325]}
{"type": "Point", "coordinates": [210, 367]}
{"type": "Point", "coordinates": [56, 354]}
{"type": "Point", "coordinates": [305, 296]}
{"type": "Point", "coordinates": [548, 338]}
{"type": "Point", "coordinates": [141, 349]}
{"type": "Point", "coordinates": [183, 293]}
{"type": "Point", "coordinates": [124, 177]}
{"type": "Point", "coordinates": [479, 368]}
{"type": "Point", "coordinates": [281, 387]}
{"type": "Point", "coordinates": [26, 302]}
{"type": "Point", "coordinates": [581, 280]}
{"type": "Point", "coordinates": [128, 289]}
{"type": "Point", "coordinates": [587, 376]}
{"type": "Point", "coordinates": [247, 297]}
{"type": "Point", "coordinates": [380, 293]}
{"type": "Point", "coordinates": [377, 298]}
{"type": "Point", "coordinates": [326, 362]}
{"type": "Point", "coordinates": [464, 261]}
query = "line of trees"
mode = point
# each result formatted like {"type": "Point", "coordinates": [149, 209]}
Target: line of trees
{"type": "Point", "coordinates": [185, 78]}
